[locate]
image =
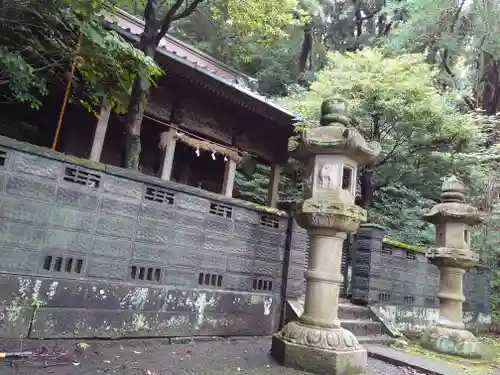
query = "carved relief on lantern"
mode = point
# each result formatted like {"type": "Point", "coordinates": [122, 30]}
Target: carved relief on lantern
{"type": "Point", "coordinates": [332, 176]}
{"type": "Point", "coordinates": [327, 176]}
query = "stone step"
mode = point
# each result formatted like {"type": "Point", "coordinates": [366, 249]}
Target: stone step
{"type": "Point", "coordinates": [362, 327]}
{"type": "Point", "coordinates": [349, 311]}
{"type": "Point", "coordinates": [375, 339]}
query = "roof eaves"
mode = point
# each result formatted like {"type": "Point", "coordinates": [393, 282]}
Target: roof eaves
{"type": "Point", "coordinates": [110, 18]}
{"type": "Point", "coordinates": [140, 23]}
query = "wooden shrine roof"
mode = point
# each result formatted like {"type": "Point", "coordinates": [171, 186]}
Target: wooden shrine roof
{"type": "Point", "coordinates": [202, 69]}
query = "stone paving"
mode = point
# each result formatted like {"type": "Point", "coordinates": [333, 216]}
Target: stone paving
{"type": "Point", "coordinates": [158, 357]}
{"type": "Point", "coordinates": [423, 364]}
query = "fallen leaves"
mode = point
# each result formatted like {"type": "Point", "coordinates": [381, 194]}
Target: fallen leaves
{"type": "Point", "coordinates": [410, 371]}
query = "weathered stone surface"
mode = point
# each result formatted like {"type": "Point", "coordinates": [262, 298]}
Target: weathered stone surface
{"type": "Point", "coordinates": [192, 203]}
{"type": "Point", "coordinates": [15, 320]}
{"type": "Point", "coordinates": [18, 260]}
{"type": "Point", "coordinates": [33, 165]}
{"type": "Point", "coordinates": [454, 220]}
{"type": "Point", "coordinates": [238, 282]}
{"type": "Point", "coordinates": [238, 264]}
{"type": "Point", "coordinates": [112, 248]}
{"type": "Point", "coordinates": [29, 188]}
{"type": "Point", "coordinates": [69, 218]}
{"type": "Point", "coordinates": [124, 187]}
{"type": "Point", "coordinates": [16, 235]}
{"type": "Point", "coordinates": [319, 361]}
{"type": "Point", "coordinates": [213, 262]}
{"type": "Point", "coordinates": [29, 212]}
{"type": "Point", "coordinates": [75, 198]}
{"type": "Point", "coordinates": [153, 234]}
{"type": "Point", "coordinates": [149, 252]}
{"type": "Point", "coordinates": [66, 241]}
{"type": "Point", "coordinates": [115, 227]}
{"type": "Point", "coordinates": [454, 342]}
{"type": "Point", "coordinates": [106, 259]}
{"type": "Point", "coordinates": [161, 213]}
{"type": "Point", "coordinates": [119, 207]}
{"type": "Point", "coordinates": [86, 309]}
{"type": "Point", "coordinates": [332, 154]}
{"type": "Point", "coordinates": [182, 277]}
{"type": "Point", "coordinates": [105, 268]}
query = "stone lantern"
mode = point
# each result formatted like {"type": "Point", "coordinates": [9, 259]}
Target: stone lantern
{"type": "Point", "coordinates": [332, 154]}
{"type": "Point", "coordinates": [454, 220]}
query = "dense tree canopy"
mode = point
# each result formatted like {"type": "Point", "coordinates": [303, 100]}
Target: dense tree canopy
{"type": "Point", "coordinates": [393, 102]}
{"type": "Point", "coordinates": [39, 40]}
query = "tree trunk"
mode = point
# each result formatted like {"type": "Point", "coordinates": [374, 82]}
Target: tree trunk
{"type": "Point", "coordinates": [140, 91]}
{"type": "Point", "coordinates": [366, 182]}
{"type": "Point", "coordinates": [305, 52]}
{"type": "Point", "coordinates": [150, 39]}
{"type": "Point", "coordinates": [133, 122]}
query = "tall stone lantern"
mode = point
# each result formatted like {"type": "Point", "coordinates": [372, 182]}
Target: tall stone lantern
{"type": "Point", "coordinates": [332, 154]}
{"type": "Point", "coordinates": [454, 220]}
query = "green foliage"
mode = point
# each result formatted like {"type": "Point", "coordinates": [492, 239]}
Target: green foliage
{"type": "Point", "coordinates": [40, 40]}
{"type": "Point", "coordinates": [108, 66]}
{"type": "Point", "coordinates": [495, 294]}
{"type": "Point", "coordinates": [460, 38]}
{"type": "Point", "coordinates": [260, 20]}
{"type": "Point", "coordinates": [393, 101]}
{"type": "Point", "coordinates": [253, 187]}
{"type": "Point", "coordinates": [252, 181]}
{"type": "Point", "coordinates": [21, 78]}
{"type": "Point", "coordinates": [395, 94]}
{"type": "Point", "coordinates": [400, 210]}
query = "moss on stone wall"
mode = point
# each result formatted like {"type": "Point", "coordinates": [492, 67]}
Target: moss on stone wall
{"type": "Point", "coordinates": [133, 175]}
{"type": "Point", "coordinates": [404, 245]}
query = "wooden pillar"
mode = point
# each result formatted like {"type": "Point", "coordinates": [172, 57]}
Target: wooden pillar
{"type": "Point", "coordinates": [229, 174]}
{"type": "Point", "coordinates": [100, 133]}
{"type": "Point", "coordinates": [168, 161]}
{"type": "Point", "coordinates": [274, 184]}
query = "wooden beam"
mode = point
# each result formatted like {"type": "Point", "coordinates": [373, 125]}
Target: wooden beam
{"type": "Point", "coordinates": [100, 134]}
{"type": "Point", "coordinates": [229, 174]}
{"type": "Point", "coordinates": [168, 160]}
{"type": "Point", "coordinates": [274, 184]}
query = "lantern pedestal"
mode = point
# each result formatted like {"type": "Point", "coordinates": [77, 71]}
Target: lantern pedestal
{"type": "Point", "coordinates": [332, 153]}
{"type": "Point", "coordinates": [453, 341]}
{"type": "Point", "coordinates": [316, 343]}
{"type": "Point", "coordinates": [324, 351]}
{"type": "Point", "coordinates": [454, 220]}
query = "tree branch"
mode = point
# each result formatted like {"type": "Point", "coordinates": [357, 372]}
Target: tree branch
{"type": "Point", "coordinates": [188, 10]}
{"type": "Point", "coordinates": [389, 154]}
{"type": "Point", "coordinates": [167, 21]}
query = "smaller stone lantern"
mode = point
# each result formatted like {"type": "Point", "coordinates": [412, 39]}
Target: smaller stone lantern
{"type": "Point", "coordinates": [454, 220]}
{"type": "Point", "coordinates": [331, 154]}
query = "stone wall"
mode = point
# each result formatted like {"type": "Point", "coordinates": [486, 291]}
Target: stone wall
{"type": "Point", "coordinates": [401, 286]}
{"type": "Point", "coordinates": [297, 262]}
{"type": "Point", "coordinates": [90, 250]}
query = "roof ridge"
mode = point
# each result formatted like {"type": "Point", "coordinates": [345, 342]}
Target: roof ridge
{"type": "Point", "coordinates": [129, 17]}
{"type": "Point", "coordinates": [219, 71]}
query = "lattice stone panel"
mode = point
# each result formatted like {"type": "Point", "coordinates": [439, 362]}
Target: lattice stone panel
{"type": "Point", "coordinates": [477, 289]}
{"type": "Point", "coordinates": [391, 275]}
{"type": "Point", "coordinates": [71, 221]}
{"type": "Point", "coordinates": [299, 247]}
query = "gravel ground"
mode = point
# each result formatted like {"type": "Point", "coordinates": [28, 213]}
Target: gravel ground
{"type": "Point", "coordinates": [158, 357]}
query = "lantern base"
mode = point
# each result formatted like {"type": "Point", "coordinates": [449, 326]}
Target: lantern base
{"type": "Point", "coordinates": [322, 351]}
{"type": "Point", "coordinates": [452, 341]}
